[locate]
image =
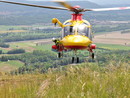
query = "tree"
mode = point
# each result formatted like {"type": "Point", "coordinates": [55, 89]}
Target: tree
{"type": "Point", "coordinates": [3, 45]}
{"type": "Point", "coordinates": [16, 51]}
{"type": "Point", "coordinates": [0, 51]}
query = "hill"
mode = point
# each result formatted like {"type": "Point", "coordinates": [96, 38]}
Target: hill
{"type": "Point", "coordinates": [22, 15]}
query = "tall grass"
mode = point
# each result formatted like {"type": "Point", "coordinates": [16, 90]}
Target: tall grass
{"type": "Point", "coordinates": [89, 81]}
{"type": "Point", "coordinates": [74, 81]}
{"type": "Point", "coordinates": [22, 86]}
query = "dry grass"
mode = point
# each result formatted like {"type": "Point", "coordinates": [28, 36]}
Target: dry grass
{"type": "Point", "coordinates": [86, 80]}
{"type": "Point", "coordinates": [91, 82]}
{"type": "Point", "coordinates": [22, 86]}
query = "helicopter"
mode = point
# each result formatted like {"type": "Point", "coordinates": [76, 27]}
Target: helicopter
{"type": "Point", "coordinates": [76, 32]}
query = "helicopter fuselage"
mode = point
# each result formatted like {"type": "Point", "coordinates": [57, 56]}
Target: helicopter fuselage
{"type": "Point", "coordinates": [76, 34]}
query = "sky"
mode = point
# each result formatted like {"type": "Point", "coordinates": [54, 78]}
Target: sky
{"type": "Point", "coordinates": [98, 1]}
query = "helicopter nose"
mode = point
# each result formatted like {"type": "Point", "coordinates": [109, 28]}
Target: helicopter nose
{"type": "Point", "coordinates": [76, 40]}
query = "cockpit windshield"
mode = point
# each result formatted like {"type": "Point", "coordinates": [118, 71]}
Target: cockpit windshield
{"type": "Point", "coordinates": [82, 29]}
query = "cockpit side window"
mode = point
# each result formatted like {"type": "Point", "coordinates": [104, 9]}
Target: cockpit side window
{"type": "Point", "coordinates": [68, 30]}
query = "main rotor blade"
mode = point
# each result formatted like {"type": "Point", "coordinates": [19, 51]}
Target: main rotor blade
{"type": "Point", "coordinates": [65, 4]}
{"type": "Point", "coordinates": [40, 6]}
{"type": "Point", "coordinates": [108, 9]}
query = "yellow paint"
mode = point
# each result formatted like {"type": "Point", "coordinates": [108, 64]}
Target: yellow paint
{"type": "Point", "coordinates": [76, 40]}
{"type": "Point", "coordinates": [55, 20]}
{"type": "Point", "coordinates": [73, 23]}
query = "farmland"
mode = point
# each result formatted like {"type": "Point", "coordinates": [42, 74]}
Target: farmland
{"type": "Point", "coordinates": [113, 38]}
{"type": "Point", "coordinates": [30, 46]}
{"type": "Point", "coordinates": [112, 47]}
{"type": "Point", "coordinates": [10, 65]}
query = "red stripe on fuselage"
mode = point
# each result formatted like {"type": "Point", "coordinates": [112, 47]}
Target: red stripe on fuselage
{"type": "Point", "coordinates": [75, 47]}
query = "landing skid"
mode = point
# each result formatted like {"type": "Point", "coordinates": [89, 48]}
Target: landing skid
{"type": "Point", "coordinates": [73, 60]}
{"type": "Point", "coordinates": [93, 56]}
{"type": "Point", "coordinates": [59, 55]}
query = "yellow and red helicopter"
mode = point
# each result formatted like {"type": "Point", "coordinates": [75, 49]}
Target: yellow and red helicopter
{"type": "Point", "coordinates": [76, 32]}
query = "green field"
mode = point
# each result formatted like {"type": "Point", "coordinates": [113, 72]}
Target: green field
{"type": "Point", "coordinates": [19, 27]}
{"type": "Point", "coordinates": [30, 46]}
{"type": "Point", "coordinates": [113, 47]}
{"type": "Point", "coordinates": [5, 27]}
{"type": "Point", "coordinates": [10, 65]}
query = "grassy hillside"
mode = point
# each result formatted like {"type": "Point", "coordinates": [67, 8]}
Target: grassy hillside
{"type": "Point", "coordinates": [86, 80]}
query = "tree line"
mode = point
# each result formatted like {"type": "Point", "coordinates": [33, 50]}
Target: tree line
{"type": "Point", "coordinates": [31, 35]}
{"type": "Point", "coordinates": [110, 29]}
{"type": "Point", "coordinates": [41, 61]}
